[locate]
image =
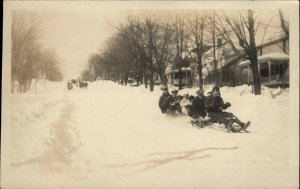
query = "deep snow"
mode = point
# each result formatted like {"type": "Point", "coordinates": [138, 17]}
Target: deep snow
{"type": "Point", "coordinates": [113, 136]}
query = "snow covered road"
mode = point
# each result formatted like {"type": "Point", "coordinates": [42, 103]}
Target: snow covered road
{"type": "Point", "coordinates": [112, 136]}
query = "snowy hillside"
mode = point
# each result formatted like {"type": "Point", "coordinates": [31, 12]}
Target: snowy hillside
{"type": "Point", "coordinates": [113, 136]}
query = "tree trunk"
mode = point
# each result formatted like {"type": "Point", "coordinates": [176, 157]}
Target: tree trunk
{"type": "Point", "coordinates": [283, 24]}
{"type": "Point", "coordinates": [151, 76]}
{"type": "Point", "coordinates": [141, 79]}
{"type": "Point", "coordinates": [12, 88]}
{"type": "Point", "coordinates": [151, 82]}
{"type": "Point", "coordinates": [253, 55]}
{"type": "Point", "coordinates": [29, 84]}
{"type": "Point", "coordinates": [200, 73]}
{"type": "Point", "coordinates": [256, 78]}
{"type": "Point", "coordinates": [180, 78]}
{"type": "Point", "coordinates": [216, 78]}
{"type": "Point", "coordinates": [146, 81]}
{"type": "Point", "coordinates": [214, 52]}
{"type": "Point", "coordinates": [163, 79]}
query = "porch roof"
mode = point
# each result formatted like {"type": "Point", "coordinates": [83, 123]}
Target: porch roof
{"type": "Point", "coordinates": [270, 56]}
{"type": "Point", "coordinates": [182, 69]}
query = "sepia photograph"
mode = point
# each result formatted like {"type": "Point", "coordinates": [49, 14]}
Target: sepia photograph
{"type": "Point", "coordinates": [150, 94]}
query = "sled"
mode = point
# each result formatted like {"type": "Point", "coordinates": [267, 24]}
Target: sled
{"type": "Point", "coordinates": [232, 126]}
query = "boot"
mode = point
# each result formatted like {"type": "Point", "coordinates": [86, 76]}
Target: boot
{"type": "Point", "coordinates": [246, 125]}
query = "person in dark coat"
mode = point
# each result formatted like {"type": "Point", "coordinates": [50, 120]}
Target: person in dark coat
{"type": "Point", "coordinates": [175, 102]}
{"type": "Point", "coordinates": [168, 103]}
{"type": "Point", "coordinates": [198, 112]}
{"type": "Point", "coordinates": [198, 107]}
{"type": "Point", "coordinates": [164, 100]}
{"type": "Point", "coordinates": [189, 106]}
{"type": "Point", "coordinates": [215, 105]}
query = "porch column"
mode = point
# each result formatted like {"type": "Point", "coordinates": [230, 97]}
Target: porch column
{"type": "Point", "coordinates": [258, 64]}
{"type": "Point", "coordinates": [269, 64]}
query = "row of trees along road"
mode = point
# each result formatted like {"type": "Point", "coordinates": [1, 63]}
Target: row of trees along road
{"type": "Point", "coordinates": [29, 60]}
{"type": "Point", "coordinates": [148, 41]}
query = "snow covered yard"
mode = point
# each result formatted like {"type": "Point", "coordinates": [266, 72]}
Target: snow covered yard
{"type": "Point", "coordinates": [113, 136]}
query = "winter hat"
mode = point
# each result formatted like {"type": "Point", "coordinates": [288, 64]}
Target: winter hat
{"type": "Point", "coordinates": [175, 91]}
{"type": "Point", "coordinates": [215, 88]}
{"type": "Point", "coordinates": [191, 98]}
{"type": "Point", "coordinates": [200, 91]}
{"type": "Point", "coordinates": [164, 88]}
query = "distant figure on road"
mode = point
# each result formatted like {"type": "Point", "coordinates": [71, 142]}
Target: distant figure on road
{"type": "Point", "coordinates": [138, 79]}
{"type": "Point", "coordinates": [125, 79]}
{"type": "Point", "coordinates": [83, 84]}
{"type": "Point", "coordinates": [70, 85]}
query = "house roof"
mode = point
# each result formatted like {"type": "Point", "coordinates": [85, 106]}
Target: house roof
{"type": "Point", "coordinates": [270, 56]}
{"type": "Point", "coordinates": [269, 40]}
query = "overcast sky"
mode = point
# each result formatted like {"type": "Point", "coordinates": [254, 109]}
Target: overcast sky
{"type": "Point", "coordinates": [76, 34]}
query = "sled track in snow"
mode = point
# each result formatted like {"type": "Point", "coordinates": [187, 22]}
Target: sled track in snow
{"type": "Point", "coordinates": [39, 112]}
{"type": "Point", "coordinates": [60, 144]}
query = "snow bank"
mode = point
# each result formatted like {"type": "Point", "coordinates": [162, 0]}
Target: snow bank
{"type": "Point", "coordinates": [41, 86]}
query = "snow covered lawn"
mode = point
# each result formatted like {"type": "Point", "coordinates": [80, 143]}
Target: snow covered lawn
{"type": "Point", "coordinates": [113, 136]}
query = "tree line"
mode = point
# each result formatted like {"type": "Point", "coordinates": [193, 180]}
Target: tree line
{"type": "Point", "coordinates": [29, 59]}
{"type": "Point", "coordinates": [147, 42]}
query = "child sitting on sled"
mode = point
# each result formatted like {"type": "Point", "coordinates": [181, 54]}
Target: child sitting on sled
{"type": "Point", "coordinates": [197, 109]}
{"type": "Point", "coordinates": [215, 105]}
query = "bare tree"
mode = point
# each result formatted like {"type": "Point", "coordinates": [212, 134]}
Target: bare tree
{"type": "Point", "coordinates": [284, 23]}
{"type": "Point", "coordinates": [243, 26]}
{"type": "Point", "coordinates": [150, 32]}
{"type": "Point", "coordinates": [162, 48]}
{"type": "Point", "coordinates": [51, 65]}
{"type": "Point", "coordinates": [24, 33]}
{"type": "Point", "coordinates": [28, 60]}
{"type": "Point", "coordinates": [213, 34]}
{"type": "Point", "coordinates": [135, 37]}
{"type": "Point", "coordinates": [197, 24]}
{"type": "Point", "coordinates": [142, 44]}
{"type": "Point", "coordinates": [181, 38]}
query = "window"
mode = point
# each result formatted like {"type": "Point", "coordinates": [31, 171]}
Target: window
{"type": "Point", "coordinates": [264, 69]}
{"type": "Point", "coordinates": [176, 75]}
{"type": "Point", "coordinates": [188, 74]}
{"type": "Point", "coordinates": [278, 68]}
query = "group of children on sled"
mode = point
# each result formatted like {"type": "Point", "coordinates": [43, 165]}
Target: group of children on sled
{"type": "Point", "coordinates": [201, 108]}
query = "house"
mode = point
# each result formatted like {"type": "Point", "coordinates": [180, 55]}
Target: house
{"type": "Point", "coordinates": [186, 77]}
{"type": "Point", "coordinates": [273, 70]}
{"type": "Point", "coordinates": [156, 78]}
{"type": "Point", "coordinates": [273, 65]}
